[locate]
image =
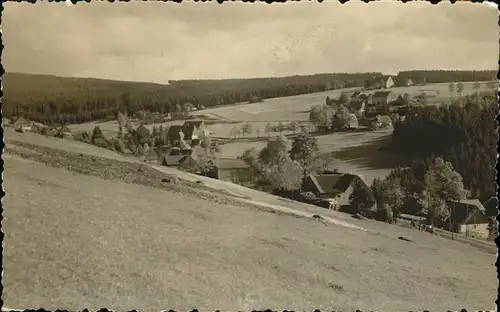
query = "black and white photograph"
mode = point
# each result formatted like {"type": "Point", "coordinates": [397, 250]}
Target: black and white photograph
{"type": "Point", "coordinates": [249, 156]}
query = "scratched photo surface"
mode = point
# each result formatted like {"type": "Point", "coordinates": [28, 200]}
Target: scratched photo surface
{"type": "Point", "coordinates": [240, 156]}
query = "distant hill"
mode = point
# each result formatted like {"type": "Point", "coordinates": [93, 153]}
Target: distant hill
{"type": "Point", "coordinates": [51, 99]}
{"type": "Point", "coordinates": [17, 86]}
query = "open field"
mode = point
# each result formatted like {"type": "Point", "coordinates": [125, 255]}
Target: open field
{"type": "Point", "coordinates": [283, 109]}
{"type": "Point", "coordinates": [296, 107]}
{"type": "Point", "coordinates": [107, 243]}
{"type": "Point", "coordinates": [329, 143]}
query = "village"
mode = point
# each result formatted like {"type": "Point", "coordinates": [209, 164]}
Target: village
{"type": "Point", "coordinates": [190, 146]}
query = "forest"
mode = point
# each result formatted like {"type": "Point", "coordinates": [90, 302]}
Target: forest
{"type": "Point", "coordinates": [464, 134]}
{"type": "Point", "coordinates": [53, 100]}
{"type": "Point", "coordinates": [63, 100]}
{"type": "Point", "coordinates": [441, 76]}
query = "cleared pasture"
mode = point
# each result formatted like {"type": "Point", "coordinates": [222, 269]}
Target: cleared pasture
{"type": "Point", "coordinates": [285, 109]}
{"type": "Point", "coordinates": [295, 108]}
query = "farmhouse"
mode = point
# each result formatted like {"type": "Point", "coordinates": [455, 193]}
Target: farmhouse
{"type": "Point", "coordinates": [388, 82]}
{"type": "Point", "coordinates": [332, 102]}
{"type": "Point", "coordinates": [379, 103]}
{"type": "Point", "coordinates": [383, 98]}
{"type": "Point", "coordinates": [172, 156]}
{"type": "Point", "coordinates": [174, 135]}
{"type": "Point", "coordinates": [21, 124]}
{"type": "Point", "coordinates": [52, 131]}
{"type": "Point", "coordinates": [338, 186]}
{"type": "Point", "coordinates": [64, 132]}
{"type": "Point", "coordinates": [358, 104]}
{"type": "Point", "coordinates": [39, 128]}
{"type": "Point", "coordinates": [383, 82]}
{"type": "Point", "coordinates": [352, 122]}
{"type": "Point", "coordinates": [192, 130]}
{"type": "Point", "coordinates": [403, 82]}
{"type": "Point", "coordinates": [233, 170]}
{"type": "Point", "coordinates": [467, 217]}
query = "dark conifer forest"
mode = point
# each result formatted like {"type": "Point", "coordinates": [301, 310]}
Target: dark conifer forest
{"type": "Point", "coordinates": [55, 100]}
{"type": "Point", "coordinates": [465, 134]}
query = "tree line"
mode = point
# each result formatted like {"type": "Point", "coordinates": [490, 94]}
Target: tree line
{"type": "Point", "coordinates": [55, 100]}
{"type": "Point", "coordinates": [464, 133]}
{"type": "Point", "coordinates": [442, 76]}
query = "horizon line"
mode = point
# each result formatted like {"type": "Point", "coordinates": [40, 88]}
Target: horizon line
{"type": "Point", "coordinates": [253, 78]}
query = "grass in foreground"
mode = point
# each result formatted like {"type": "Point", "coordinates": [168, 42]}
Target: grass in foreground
{"type": "Point", "coordinates": [75, 241]}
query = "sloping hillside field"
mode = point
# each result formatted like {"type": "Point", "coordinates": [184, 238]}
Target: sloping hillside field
{"type": "Point", "coordinates": [84, 230]}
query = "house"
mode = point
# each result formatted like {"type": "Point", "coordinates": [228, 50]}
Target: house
{"type": "Point", "coordinates": [6, 122]}
{"type": "Point", "coordinates": [403, 82]}
{"type": "Point", "coordinates": [332, 102]}
{"type": "Point", "coordinates": [383, 98]}
{"type": "Point", "coordinates": [39, 128]}
{"type": "Point", "coordinates": [467, 217]}
{"type": "Point", "coordinates": [383, 82]}
{"type": "Point", "coordinates": [388, 82]}
{"type": "Point", "coordinates": [233, 170]}
{"type": "Point", "coordinates": [338, 186]}
{"type": "Point", "coordinates": [352, 122]}
{"type": "Point", "coordinates": [52, 131]}
{"type": "Point", "coordinates": [358, 103]}
{"type": "Point", "coordinates": [172, 156]}
{"type": "Point", "coordinates": [174, 135]}
{"type": "Point", "coordinates": [64, 132]}
{"type": "Point", "coordinates": [192, 129]}
{"type": "Point", "coordinates": [22, 124]}
{"type": "Point", "coordinates": [379, 103]}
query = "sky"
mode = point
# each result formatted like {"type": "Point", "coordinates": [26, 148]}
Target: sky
{"type": "Point", "coordinates": [158, 41]}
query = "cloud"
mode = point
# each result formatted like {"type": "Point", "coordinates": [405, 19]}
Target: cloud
{"type": "Point", "coordinates": [155, 41]}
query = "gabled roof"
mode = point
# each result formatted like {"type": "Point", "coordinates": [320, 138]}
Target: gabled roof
{"type": "Point", "coordinates": [231, 163]}
{"type": "Point", "coordinates": [356, 104]}
{"type": "Point", "coordinates": [472, 202]}
{"type": "Point", "coordinates": [196, 123]}
{"type": "Point", "coordinates": [468, 212]}
{"type": "Point", "coordinates": [382, 94]}
{"type": "Point", "coordinates": [189, 127]}
{"type": "Point", "coordinates": [64, 129]}
{"type": "Point", "coordinates": [334, 183]}
{"type": "Point", "coordinates": [173, 132]}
